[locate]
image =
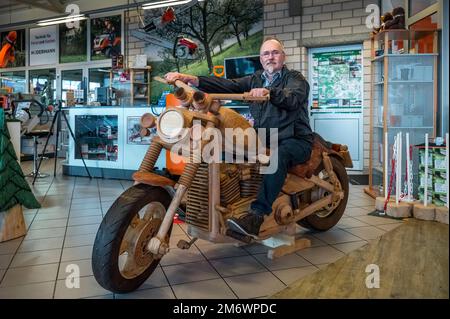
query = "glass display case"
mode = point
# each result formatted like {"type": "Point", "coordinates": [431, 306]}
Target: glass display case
{"type": "Point", "coordinates": [97, 136]}
{"type": "Point", "coordinates": [403, 99]}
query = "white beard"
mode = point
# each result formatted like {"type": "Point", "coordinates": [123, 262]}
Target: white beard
{"type": "Point", "coordinates": [269, 69]}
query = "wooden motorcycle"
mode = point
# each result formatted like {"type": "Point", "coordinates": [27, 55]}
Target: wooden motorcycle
{"type": "Point", "coordinates": [134, 234]}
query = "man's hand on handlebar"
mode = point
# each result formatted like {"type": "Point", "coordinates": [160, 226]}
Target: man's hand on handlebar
{"type": "Point", "coordinates": [171, 77]}
{"type": "Point", "coordinates": [259, 92]}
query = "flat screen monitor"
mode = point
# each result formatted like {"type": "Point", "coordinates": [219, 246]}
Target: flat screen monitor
{"type": "Point", "coordinates": [241, 66]}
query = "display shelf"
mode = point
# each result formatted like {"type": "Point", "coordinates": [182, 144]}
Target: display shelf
{"type": "Point", "coordinates": [403, 96]}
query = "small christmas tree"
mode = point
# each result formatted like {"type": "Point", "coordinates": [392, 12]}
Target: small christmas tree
{"type": "Point", "coordinates": [14, 189]}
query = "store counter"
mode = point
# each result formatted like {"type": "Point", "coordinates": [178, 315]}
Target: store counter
{"type": "Point", "coordinates": [109, 141]}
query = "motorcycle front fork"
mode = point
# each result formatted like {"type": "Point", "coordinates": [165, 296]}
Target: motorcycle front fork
{"type": "Point", "coordinates": [157, 245]}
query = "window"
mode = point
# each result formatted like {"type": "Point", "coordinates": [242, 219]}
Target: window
{"type": "Point", "coordinates": [416, 6]}
{"type": "Point", "coordinates": [14, 81]}
{"type": "Point", "coordinates": [43, 83]}
{"type": "Point", "coordinates": [72, 80]}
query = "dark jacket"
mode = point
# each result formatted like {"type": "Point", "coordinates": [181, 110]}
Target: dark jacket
{"type": "Point", "coordinates": [287, 109]}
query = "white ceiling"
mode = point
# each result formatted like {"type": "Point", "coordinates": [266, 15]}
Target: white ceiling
{"type": "Point", "coordinates": [17, 12]}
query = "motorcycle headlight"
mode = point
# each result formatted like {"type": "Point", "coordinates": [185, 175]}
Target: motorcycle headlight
{"type": "Point", "coordinates": [171, 126]}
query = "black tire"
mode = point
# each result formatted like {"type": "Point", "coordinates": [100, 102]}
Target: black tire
{"type": "Point", "coordinates": [106, 250]}
{"type": "Point", "coordinates": [315, 222]}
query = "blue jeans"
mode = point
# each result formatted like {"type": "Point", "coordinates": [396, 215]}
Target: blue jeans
{"type": "Point", "coordinates": [291, 151]}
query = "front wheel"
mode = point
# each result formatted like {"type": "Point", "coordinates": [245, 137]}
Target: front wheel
{"type": "Point", "coordinates": [329, 216]}
{"type": "Point", "coordinates": [120, 259]}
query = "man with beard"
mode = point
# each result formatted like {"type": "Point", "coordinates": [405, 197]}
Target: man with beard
{"type": "Point", "coordinates": [287, 110]}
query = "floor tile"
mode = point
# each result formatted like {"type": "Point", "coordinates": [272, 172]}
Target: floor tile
{"type": "Point", "coordinates": [291, 275]}
{"type": "Point", "coordinates": [85, 212]}
{"type": "Point", "coordinates": [82, 230]}
{"type": "Point", "coordinates": [373, 220]}
{"type": "Point", "coordinates": [368, 232]}
{"type": "Point", "coordinates": [78, 201]}
{"type": "Point", "coordinates": [49, 216]}
{"type": "Point", "coordinates": [356, 211]}
{"type": "Point", "coordinates": [349, 222]}
{"type": "Point", "coordinates": [85, 220]}
{"type": "Point", "coordinates": [336, 236]}
{"type": "Point", "coordinates": [178, 274]}
{"type": "Point", "coordinates": [177, 230]}
{"type": "Point", "coordinates": [180, 256]}
{"type": "Point", "coordinates": [45, 233]}
{"type": "Point", "coordinates": [41, 244]}
{"type": "Point", "coordinates": [43, 290]}
{"type": "Point", "coordinates": [216, 251]}
{"type": "Point", "coordinates": [237, 266]}
{"type": "Point", "coordinates": [10, 246]}
{"type": "Point", "coordinates": [255, 285]}
{"type": "Point", "coordinates": [36, 258]}
{"type": "Point", "coordinates": [5, 260]}
{"type": "Point", "coordinates": [54, 209]}
{"type": "Point", "coordinates": [88, 288]}
{"type": "Point", "coordinates": [363, 202]}
{"type": "Point", "coordinates": [206, 289]}
{"type": "Point", "coordinates": [29, 275]}
{"type": "Point", "coordinates": [51, 223]}
{"type": "Point", "coordinates": [320, 255]}
{"type": "Point", "coordinates": [76, 253]}
{"type": "Point", "coordinates": [79, 240]}
{"type": "Point", "coordinates": [155, 293]}
{"type": "Point", "coordinates": [284, 262]}
{"type": "Point", "coordinates": [66, 268]}
{"type": "Point", "coordinates": [2, 272]}
{"type": "Point", "coordinates": [256, 248]}
{"type": "Point", "coordinates": [86, 205]}
{"type": "Point", "coordinates": [349, 247]}
{"type": "Point", "coordinates": [156, 279]}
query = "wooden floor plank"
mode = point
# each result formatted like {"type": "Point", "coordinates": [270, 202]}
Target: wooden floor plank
{"type": "Point", "coordinates": [412, 259]}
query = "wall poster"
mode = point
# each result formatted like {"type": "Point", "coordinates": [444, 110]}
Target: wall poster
{"type": "Point", "coordinates": [106, 37]}
{"type": "Point", "coordinates": [12, 49]}
{"type": "Point", "coordinates": [337, 79]}
{"type": "Point", "coordinates": [43, 45]}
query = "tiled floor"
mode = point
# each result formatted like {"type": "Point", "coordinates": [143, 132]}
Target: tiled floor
{"type": "Point", "coordinates": [62, 233]}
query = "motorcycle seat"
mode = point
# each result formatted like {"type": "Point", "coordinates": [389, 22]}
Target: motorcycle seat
{"type": "Point", "coordinates": [307, 169]}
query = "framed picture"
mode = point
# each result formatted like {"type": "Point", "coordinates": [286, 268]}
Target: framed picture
{"type": "Point", "coordinates": [133, 132]}
{"type": "Point", "coordinates": [106, 37]}
{"type": "Point", "coordinates": [12, 49]}
{"type": "Point", "coordinates": [72, 43]}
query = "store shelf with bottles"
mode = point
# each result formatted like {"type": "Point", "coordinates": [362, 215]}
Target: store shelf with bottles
{"type": "Point", "coordinates": [403, 94]}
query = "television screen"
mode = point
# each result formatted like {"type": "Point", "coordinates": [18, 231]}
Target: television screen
{"type": "Point", "coordinates": [241, 66]}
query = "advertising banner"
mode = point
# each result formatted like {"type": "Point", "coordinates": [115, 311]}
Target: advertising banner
{"type": "Point", "coordinates": [43, 46]}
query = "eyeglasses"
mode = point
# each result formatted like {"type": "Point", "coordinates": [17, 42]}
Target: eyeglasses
{"type": "Point", "coordinates": [266, 54]}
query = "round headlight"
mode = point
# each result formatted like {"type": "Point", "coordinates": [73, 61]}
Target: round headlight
{"type": "Point", "coordinates": [171, 125]}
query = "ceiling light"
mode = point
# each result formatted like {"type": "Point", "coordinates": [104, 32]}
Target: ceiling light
{"type": "Point", "coordinates": [167, 3]}
{"type": "Point", "coordinates": [66, 19]}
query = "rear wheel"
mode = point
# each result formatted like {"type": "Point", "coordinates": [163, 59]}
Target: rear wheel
{"type": "Point", "coordinates": [329, 216]}
{"type": "Point", "coordinates": [120, 259]}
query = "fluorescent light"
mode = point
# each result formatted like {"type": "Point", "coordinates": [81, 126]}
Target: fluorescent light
{"type": "Point", "coordinates": [167, 3]}
{"type": "Point", "coordinates": [71, 18]}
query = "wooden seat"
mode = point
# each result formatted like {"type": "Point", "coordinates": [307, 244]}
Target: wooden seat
{"type": "Point", "coordinates": [153, 179]}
